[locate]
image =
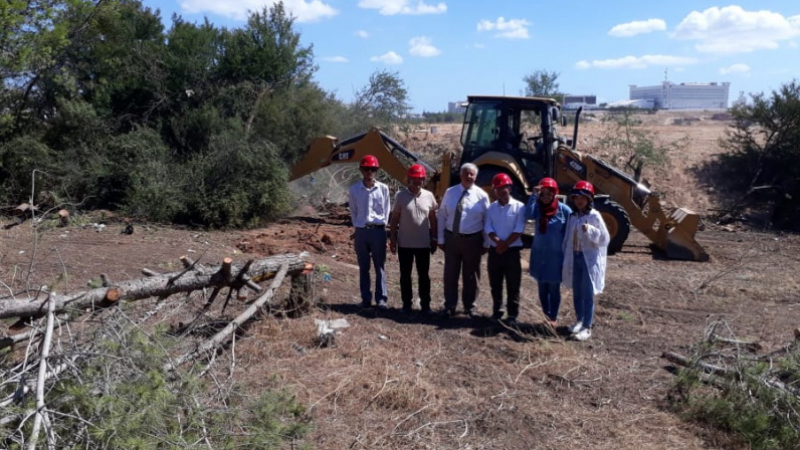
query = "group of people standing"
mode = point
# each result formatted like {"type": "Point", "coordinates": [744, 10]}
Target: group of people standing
{"type": "Point", "coordinates": [569, 246]}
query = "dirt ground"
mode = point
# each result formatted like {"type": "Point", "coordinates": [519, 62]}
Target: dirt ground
{"type": "Point", "coordinates": [400, 382]}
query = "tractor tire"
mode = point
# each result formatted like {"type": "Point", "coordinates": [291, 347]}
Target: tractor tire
{"type": "Point", "coordinates": [484, 181]}
{"type": "Point", "coordinates": [617, 222]}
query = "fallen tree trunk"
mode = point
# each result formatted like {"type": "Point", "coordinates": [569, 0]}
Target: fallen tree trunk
{"type": "Point", "coordinates": [159, 286]}
{"type": "Point", "coordinates": [222, 336]}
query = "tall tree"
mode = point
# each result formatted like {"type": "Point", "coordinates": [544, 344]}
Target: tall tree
{"type": "Point", "coordinates": [383, 101]}
{"type": "Point", "coordinates": [541, 83]}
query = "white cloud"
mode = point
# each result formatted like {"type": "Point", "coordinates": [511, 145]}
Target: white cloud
{"type": "Point", "coordinates": [421, 46]}
{"type": "Point", "coordinates": [638, 27]}
{"type": "Point", "coordinates": [303, 10]}
{"type": "Point", "coordinates": [733, 30]}
{"type": "Point", "coordinates": [509, 29]}
{"type": "Point", "coordinates": [407, 7]}
{"type": "Point", "coordinates": [335, 59]}
{"type": "Point", "coordinates": [362, 34]}
{"type": "Point", "coordinates": [735, 68]}
{"type": "Point", "coordinates": [635, 62]}
{"type": "Point", "coordinates": [479, 46]}
{"type": "Point", "coordinates": [388, 58]}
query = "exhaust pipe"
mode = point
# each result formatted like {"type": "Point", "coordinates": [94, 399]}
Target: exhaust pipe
{"type": "Point", "coordinates": [575, 131]}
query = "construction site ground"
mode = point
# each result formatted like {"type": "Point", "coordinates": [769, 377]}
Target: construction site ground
{"type": "Point", "coordinates": [412, 382]}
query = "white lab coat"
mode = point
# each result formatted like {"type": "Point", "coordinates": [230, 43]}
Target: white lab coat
{"type": "Point", "coordinates": [593, 242]}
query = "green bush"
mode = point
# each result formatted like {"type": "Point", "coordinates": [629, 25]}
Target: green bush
{"type": "Point", "coordinates": [236, 183]}
{"type": "Point", "coordinates": [748, 406]}
{"type": "Point", "coordinates": [122, 399]}
{"type": "Point", "coordinates": [761, 166]}
{"type": "Point", "coordinates": [18, 158]}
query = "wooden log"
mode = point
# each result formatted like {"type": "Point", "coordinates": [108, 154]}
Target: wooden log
{"type": "Point", "coordinates": [63, 218]}
{"type": "Point", "coordinates": [112, 295]}
{"type": "Point", "coordinates": [708, 368]}
{"type": "Point", "coordinates": [155, 286]}
{"type": "Point", "coordinates": [220, 337]}
{"type": "Point", "coordinates": [187, 263]}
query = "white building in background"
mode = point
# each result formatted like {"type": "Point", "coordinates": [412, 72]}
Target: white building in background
{"type": "Point", "coordinates": [457, 107]}
{"type": "Point", "coordinates": [684, 96]}
{"type": "Point", "coordinates": [572, 101]}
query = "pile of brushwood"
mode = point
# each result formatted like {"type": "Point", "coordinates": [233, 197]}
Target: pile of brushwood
{"type": "Point", "coordinates": [732, 385]}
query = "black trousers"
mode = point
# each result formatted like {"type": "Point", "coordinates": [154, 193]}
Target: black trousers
{"type": "Point", "coordinates": [505, 267]}
{"type": "Point", "coordinates": [422, 256]}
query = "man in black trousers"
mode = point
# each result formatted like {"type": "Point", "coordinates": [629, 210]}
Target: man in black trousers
{"type": "Point", "coordinates": [505, 223]}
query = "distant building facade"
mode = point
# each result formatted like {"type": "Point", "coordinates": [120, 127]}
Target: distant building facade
{"type": "Point", "coordinates": [456, 107]}
{"type": "Point", "coordinates": [684, 95]}
{"type": "Point", "coordinates": [576, 101]}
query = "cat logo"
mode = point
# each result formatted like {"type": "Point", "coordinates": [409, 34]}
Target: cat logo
{"type": "Point", "coordinates": [344, 156]}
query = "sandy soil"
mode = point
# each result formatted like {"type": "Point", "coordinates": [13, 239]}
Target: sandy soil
{"type": "Point", "coordinates": [400, 382]}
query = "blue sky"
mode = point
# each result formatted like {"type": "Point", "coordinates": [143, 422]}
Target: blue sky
{"type": "Point", "coordinates": [447, 50]}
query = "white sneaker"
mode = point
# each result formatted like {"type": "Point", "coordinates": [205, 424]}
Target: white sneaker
{"type": "Point", "coordinates": [583, 335]}
{"type": "Point", "coordinates": [575, 328]}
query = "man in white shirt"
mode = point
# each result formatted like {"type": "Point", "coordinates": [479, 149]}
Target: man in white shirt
{"type": "Point", "coordinates": [460, 222]}
{"type": "Point", "coordinates": [369, 210]}
{"type": "Point", "coordinates": [505, 222]}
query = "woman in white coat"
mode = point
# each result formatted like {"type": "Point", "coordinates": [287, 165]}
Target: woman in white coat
{"type": "Point", "coordinates": [584, 270]}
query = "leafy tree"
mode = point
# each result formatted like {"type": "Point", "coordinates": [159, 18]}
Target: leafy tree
{"type": "Point", "coordinates": [383, 102]}
{"type": "Point", "coordinates": [541, 83]}
{"type": "Point", "coordinates": [762, 162]}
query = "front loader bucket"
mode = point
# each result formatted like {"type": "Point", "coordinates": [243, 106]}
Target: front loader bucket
{"type": "Point", "coordinates": [680, 236]}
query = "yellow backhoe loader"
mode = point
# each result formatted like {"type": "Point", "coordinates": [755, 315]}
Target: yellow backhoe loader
{"type": "Point", "coordinates": [496, 137]}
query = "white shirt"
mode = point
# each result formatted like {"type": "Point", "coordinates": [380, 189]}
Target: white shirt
{"type": "Point", "coordinates": [369, 206]}
{"type": "Point", "coordinates": [593, 243]}
{"type": "Point", "coordinates": [505, 220]}
{"type": "Point", "coordinates": [473, 210]}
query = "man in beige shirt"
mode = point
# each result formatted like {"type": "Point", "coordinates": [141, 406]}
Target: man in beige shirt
{"type": "Point", "coordinates": [413, 236]}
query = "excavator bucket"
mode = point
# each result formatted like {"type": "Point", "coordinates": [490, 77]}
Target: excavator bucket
{"type": "Point", "coordinates": [680, 236]}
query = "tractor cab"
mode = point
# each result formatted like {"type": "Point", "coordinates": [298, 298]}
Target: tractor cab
{"type": "Point", "coordinates": [513, 135]}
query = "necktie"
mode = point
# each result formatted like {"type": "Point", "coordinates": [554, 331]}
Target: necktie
{"type": "Point", "coordinates": [459, 210]}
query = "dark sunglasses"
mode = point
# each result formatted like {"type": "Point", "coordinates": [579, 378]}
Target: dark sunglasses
{"type": "Point", "coordinates": [369, 169]}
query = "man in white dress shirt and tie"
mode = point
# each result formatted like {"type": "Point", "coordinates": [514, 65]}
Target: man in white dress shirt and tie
{"type": "Point", "coordinates": [460, 221]}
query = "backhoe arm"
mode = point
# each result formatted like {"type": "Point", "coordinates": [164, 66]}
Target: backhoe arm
{"type": "Point", "coordinates": [326, 150]}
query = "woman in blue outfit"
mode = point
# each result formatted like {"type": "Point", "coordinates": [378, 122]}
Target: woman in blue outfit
{"type": "Point", "coordinates": [547, 253]}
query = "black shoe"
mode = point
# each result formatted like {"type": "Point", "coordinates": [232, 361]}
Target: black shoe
{"type": "Point", "coordinates": [406, 311]}
{"type": "Point", "coordinates": [511, 321]}
{"type": "Point", "coordinates": [472, 314]}
{"type": "Point", "coordinates": [447, 313]}
{"type": "Point", "coordinates": [426, 311]}
{"type": "Point", "coordinates": [497, 315]}
{"type": "Point", "coordinates": [366, 305]}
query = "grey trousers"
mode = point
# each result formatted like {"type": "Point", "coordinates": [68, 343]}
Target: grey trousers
{"type": "Point", "coordinates": [462, 253]}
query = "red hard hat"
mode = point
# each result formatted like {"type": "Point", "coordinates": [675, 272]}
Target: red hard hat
{"type": "Point", "coordinates": [369, 161]}
{"type": "Point", "coordinates": [501, 180]}
{"type": "Point", "coordinates": [549, 183]}
{"type": "Point", "coordinates": [416, 171]}
{"type": "Point", "coordinates": [583, 188]}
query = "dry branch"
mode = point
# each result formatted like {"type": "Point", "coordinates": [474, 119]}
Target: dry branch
{"type": "Point", "coordinates": [220, 337]}
{"type": "Point", "coordinates": [708, 368]}
{"type": "Point", "coordinates": [154, 286]}
{"type": "Point", "coordinates": [48, 337]}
